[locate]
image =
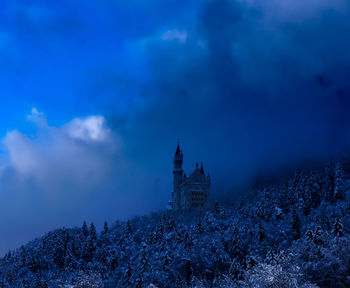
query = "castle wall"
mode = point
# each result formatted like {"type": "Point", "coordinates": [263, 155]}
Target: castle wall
{"type": "Point", "coordinates": [195, 196]}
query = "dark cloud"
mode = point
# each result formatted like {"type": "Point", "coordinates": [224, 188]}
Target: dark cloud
{"type": "Point", "coordinates": [244, 91]}
{"type": "Point", "coordinates": [250, 87]}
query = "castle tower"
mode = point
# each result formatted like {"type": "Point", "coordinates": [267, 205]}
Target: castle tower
{"type": "Point", "coordinates": [177, 175]}
{"type": "Point", "coordinates": [190, 193]}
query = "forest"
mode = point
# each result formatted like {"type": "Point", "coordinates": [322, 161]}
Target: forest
{"type": "Point", "coordinates": [293, 234]}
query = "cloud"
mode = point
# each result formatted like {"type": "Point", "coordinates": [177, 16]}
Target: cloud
{"type": "Point", "coordinates": [61, 175]}
{"type": "Point", "coordinates": [248, 99]}
{"type": "Point", "coordinates": [175, 35]}
{"type": "Point", "coordinates": [38, 118]}
{"type": "Point", "coordinates": [92, 128]}
{"type": "Point", "coordinates": [21, 155]}
{"type": "Point", "coordinates": [61, 154]}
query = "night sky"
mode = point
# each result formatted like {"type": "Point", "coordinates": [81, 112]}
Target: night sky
{"type": "Point", "coordinates": [94, 95]}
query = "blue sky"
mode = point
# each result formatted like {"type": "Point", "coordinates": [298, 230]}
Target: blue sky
{"type": "Point", "coordinates": [93, 95]}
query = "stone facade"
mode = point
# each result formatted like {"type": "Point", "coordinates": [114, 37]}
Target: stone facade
{"type": "Point", "coordinates": [189, 193]}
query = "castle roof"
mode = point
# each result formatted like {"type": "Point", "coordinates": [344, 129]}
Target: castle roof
{"type": "Point", "coordinates": [178, 150]}
{"type": "Point", "coordinates": [202, 169]}
{"type": "Point", "coordinates": [197, 176]}
{"type": "Point", "coordinates": [178, 158]}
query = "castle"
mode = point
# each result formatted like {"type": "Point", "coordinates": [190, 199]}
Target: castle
{"type": "Point", "coordinates": [189, 193]}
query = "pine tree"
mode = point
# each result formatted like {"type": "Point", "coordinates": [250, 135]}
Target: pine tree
{"type": "Point", "coordinates": [59, 255]}
{"type": "Point", "coordinates": [302, 195]}
{"type": "Point", "coordinates": [309, 235]}
{"type": "Point", "coordinates": [318, 234]}
{"type": "Point", "coordinates": [152, 237]}
{"type": "Point", "coordinates": [292, 187]}
{"type": "Point", "coordinates": [314, 186]}
{"type": "Point", "coordinates": [259, 211]}
{"type": "Point", "coordinates": [166, 259]}
{"type": "Point", "coordinates": [242, 207]}
{"type": "Point", "coordinates": [68, 259]}
{"type": "Point", "coordinates": [188, 243]}
{"type": "Point", "coordinates": [265, 208]}
{"type": "Point", "coordinates": [128, 228]}
{"type": "Point", "coordinates": [188, 271]}
{"type": "Point", "coordinates": [339, 193]}
{"type": "Point", "coordinates": [113, 262]}
{"type": "Point", "coordinates": [307, 203]}
{"type": "Point", "coordinates": [31, 261]}
{"type": "Point", "coordinates": [139, 283]}
{"type": "Point", "coordinates": [159, 234]}
{"type": "Point", "coordinates": [90, 245]}
{"type": "Point", "coordinates": [199, 228]}
{"type": "Point", "coordinates": [251, 262]}
{"type": "Point", "coordinates": [178, 236]}
{"type": "Point", "coordinates": [284, 198]}
{"type": "Point", "coordinates": [296, 187]}
{"type": "Point", "coordinates": [330, 181]}
{"type": "Point", "coordinates": [180, 283]}
{"type": "Point", "coordinates": [235, 271]}
{"type": "Point", "coordinates": [22, 256]}
{"type": "Point", "coordinates": [105, 228]}
{"type": "Point", "coordinates": [92, 232]}
{"type": "Point", "coordinates": [144, 263]}
{"type": "Point", "coordinates": [296, 225]}
{"type": "Point", "coordinates": [38, 283]}
{"type": "Point", "coordinates": [338, 227]}
{"type": "Point", "coordinates": [235, 246]}
{"type": "Point", "coordinates": [102, 255]}
{"type": "Point", "coordinates": [261, 233]}
{"type": "Point", "coordinates": [272, 257]}
{"type": "Point", "coordinates": [169, 224]}
{"type": "Point", "coordinates": [209, 219]}
{"type": "Point", "coordinates": [85, 230]}
{"type": "Point", "coordinates": [217, 208]}
{"type": "Point", "coordinates": [128, 276]}
{"type": "Point", "coordinates": [269, 203]}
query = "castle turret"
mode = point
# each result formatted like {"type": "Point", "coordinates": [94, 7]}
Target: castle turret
{"type": "Point", "coordinates": [177, 174]}
{"type": "Point", "coordinates": [202, 169]}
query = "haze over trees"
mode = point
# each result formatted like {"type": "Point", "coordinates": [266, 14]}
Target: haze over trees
{"type": "Point", "coordinates": [290, 235]}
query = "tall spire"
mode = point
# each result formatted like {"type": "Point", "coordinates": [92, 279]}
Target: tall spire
{"type": "Point", "coordinates": [178, 150]}
{"type": "Point", "coordinates": [202, 169]}
{"type": "Point", "coordinates": [178, 175]}
{"type": "Point", "coordinates": [178, 154]}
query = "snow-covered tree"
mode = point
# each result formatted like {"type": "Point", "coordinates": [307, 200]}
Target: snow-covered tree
{"type": "Point", "coordinates": [339, 193]}
{"type": "Point", "coordinates": [296, 225]}
{"type": "Point", "coordinates": [338, 227]}
{"type": "Point", "coordinates": [128, 228]}
{"type": "Point", "coordinates": [84, 229]}
{"type": "Point", "coordinates": [128, 276]}
{"type": "Point", "coordinates": [329, 184]}
{"type": "Point", "coordinates": [261, 232]}
{"type": "Point", "coordinates": [105, 228]}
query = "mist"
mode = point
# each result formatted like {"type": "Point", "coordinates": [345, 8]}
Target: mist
{"type": "Point", "coordinates": [250, 88]}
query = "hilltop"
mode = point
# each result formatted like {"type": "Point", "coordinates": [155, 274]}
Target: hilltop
{"type": "Point", "coordinates": [291, 235]}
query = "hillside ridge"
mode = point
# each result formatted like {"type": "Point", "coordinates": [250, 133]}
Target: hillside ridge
{"type": "Point", "coordinates": [291, 235]}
